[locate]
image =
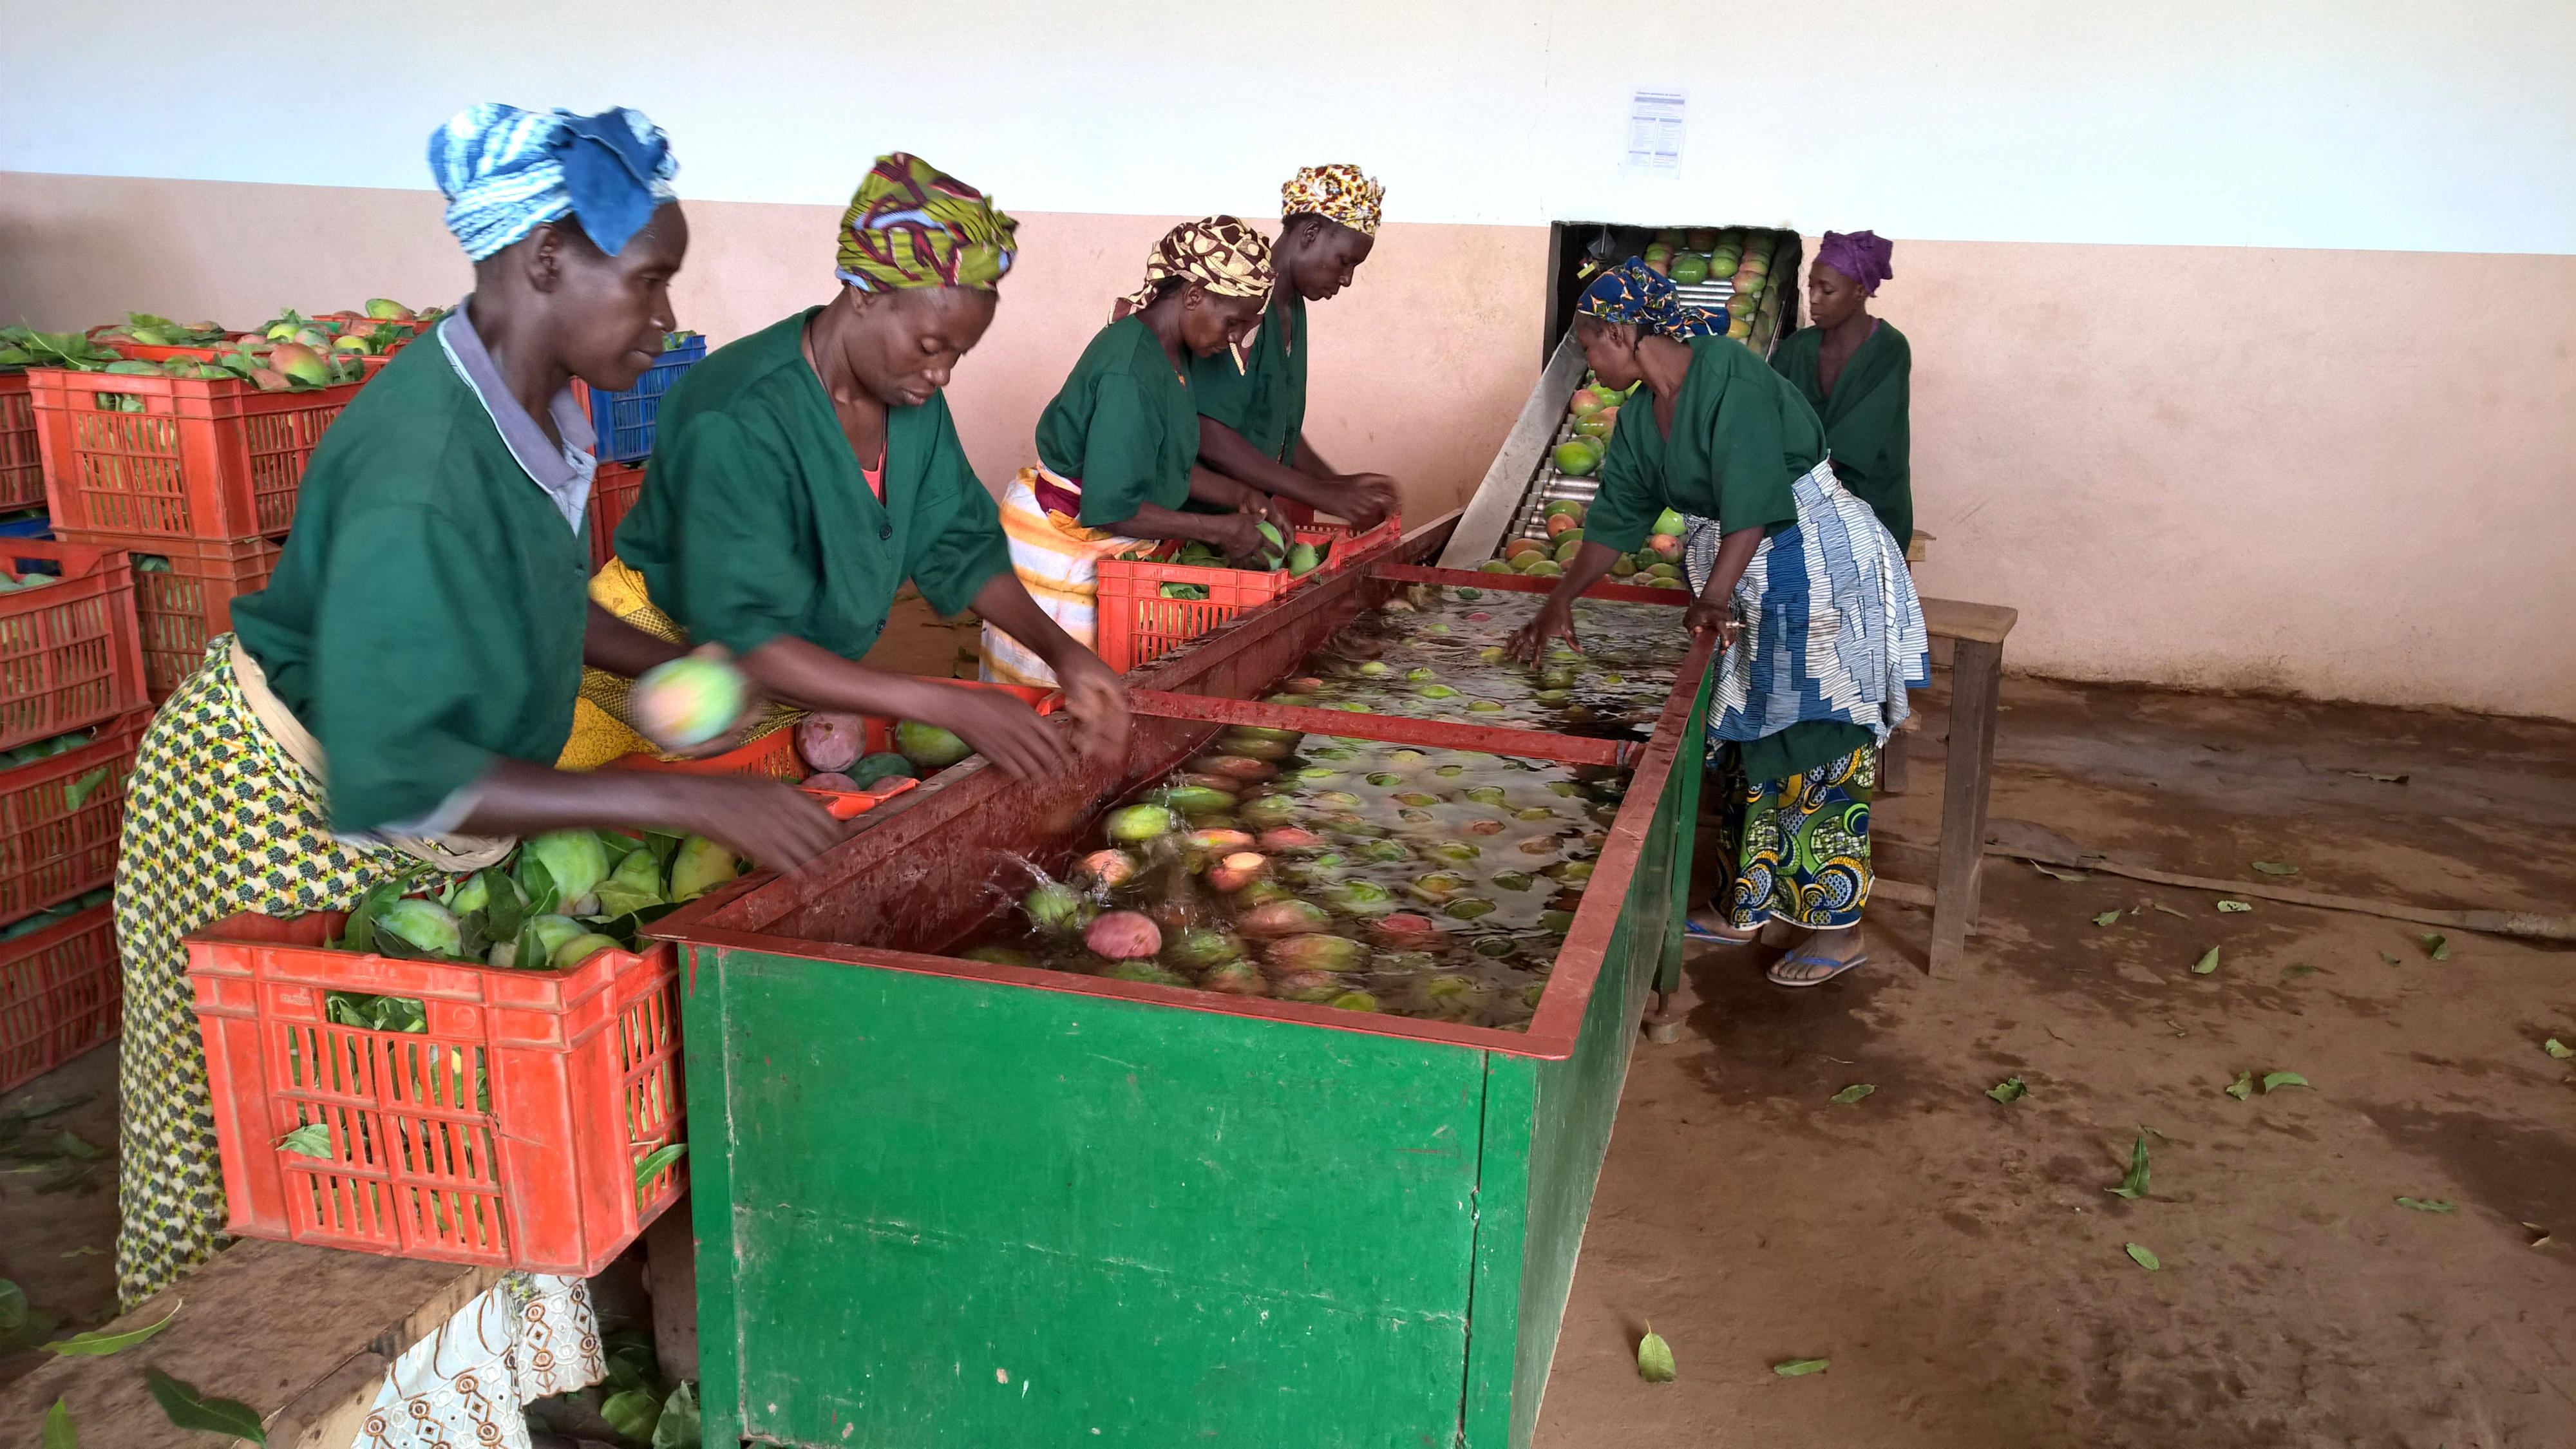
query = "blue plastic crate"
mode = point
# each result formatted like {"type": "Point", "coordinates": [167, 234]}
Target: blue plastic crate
{"type": "Point", "coordinates": [36, 526]}
{"type": "Point", "coordinates": [624, 420]}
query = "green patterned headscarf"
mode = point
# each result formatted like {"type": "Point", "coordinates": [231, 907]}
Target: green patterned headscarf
{"type": "Point", "coordinates": [911, 224]}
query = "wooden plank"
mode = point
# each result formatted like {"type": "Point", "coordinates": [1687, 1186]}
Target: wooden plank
{"type": "Point", "coordinates": [1975, 675]}
{"type": "Point", "coordinates": [1497, 500]}
{"type": "Point", "coordinates": [302, 1335]}
{"type": "Point", "coordinates": [1984, 623]}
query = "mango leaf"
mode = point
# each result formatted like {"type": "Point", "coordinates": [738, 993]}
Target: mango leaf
{"type": "Point", "coordinates": [2135, 1184]}
{"type": "Point", "coordinates": [99, 1345]}
{"type": "Point", "coordinates": [2233, 907]}
{"type": "Point", "coordinates": [2436, 946]}
{"type": "Point", "coordinates": [2273, 1080]}
{"type": "Point", "coordinates": [2391, 960]}
{"type": "Point", "coordinates": [2375, 775]}
{"type": "Point", "coordinates": [192, 1410]}
{"type": "Point", "coordinates": [679, 1427]}
{"type": "Point", "coordinates": [2428, 1205]}
{"type": "Point", "coordinates": [69, 1144]}
{"type": "Point", "coordinates": [1853, 1093]}
{"type": "Point", "coordinates": [2206, 964]}
{"type": "Point", "coordinates": [1655, 1359]}
{"type": "Point", "coordinates": [1801, 1367]}
{"type": "Point", "coordinates": [35, 1110]}
{"type": "Point", "coordinates": [661, 1158]}
{"type": "Point", "coordinates": [2558, 1049]}
{"type": "Point", "coordinates": [2140, 1254]}
{"type": "Point", "coordinates": [2053, 873]}
{"type": "Point", "coordinates": [13, 1307]}
{"type": "Point", "coordinates": [2009, 1089]}
{"type": "Point", "coordinates": [502, 912]}
{"type": "Point", "coordinates": [80, 789]}
{"type": "Point", "coordinates": [2301, 970]}
{"type": "Point", "coordinates": [359, 933]}
{"type": "Point", "coordinates": [59, 1433]}
{"type": "Point", "coordinates": [2107, 918]}
{"type": "Point", "coordinates": [313, 1139]}
{"type": "Point", "coordinates": [633, 1413]}
{"type": "Point", "coordinates": [2276, 867]}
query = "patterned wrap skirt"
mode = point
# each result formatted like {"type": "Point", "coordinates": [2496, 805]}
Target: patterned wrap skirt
{"type": "Point", "coordinates": [1058, 561]}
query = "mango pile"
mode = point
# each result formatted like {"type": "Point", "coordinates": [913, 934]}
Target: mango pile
{"type": "Point", "coordinates": [1296, 558]}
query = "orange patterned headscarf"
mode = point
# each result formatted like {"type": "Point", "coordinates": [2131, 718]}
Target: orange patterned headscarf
{"type": "Point", "coordinates": [1339, 192]}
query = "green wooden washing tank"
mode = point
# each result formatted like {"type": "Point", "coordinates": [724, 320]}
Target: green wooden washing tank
{"type": "Point", "coordinates": [942, 1203]}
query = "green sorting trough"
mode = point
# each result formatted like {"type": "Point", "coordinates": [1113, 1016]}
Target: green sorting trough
{"type": "Point", "coordinates": [944, 1203]}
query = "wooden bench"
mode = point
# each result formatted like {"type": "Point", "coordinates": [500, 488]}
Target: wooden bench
{"type": "Point", "coordinates": [1976, 633]}
{"type": "Point", "coordinates": [304, 1336]}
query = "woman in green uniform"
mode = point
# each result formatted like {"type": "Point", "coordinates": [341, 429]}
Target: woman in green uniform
{"type": "Point", "coordinates": [1781, 555]}
{"type": "Point", "coordinates": [421, 641]}
{"type": "Point", "coordinates": [1117, 448]}
{"type": "Point", "coordinates": [1252, 420]}
{"type": "Point", "coordinates": [1857, 372]}
{"type": "Point", "coordinates": [802, 474]}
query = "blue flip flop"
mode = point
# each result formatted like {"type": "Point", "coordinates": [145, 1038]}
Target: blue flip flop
{"type": "Point", "coordinates": [1694, 931]}
{"type": "Point", "coordinates": [1798, 957]}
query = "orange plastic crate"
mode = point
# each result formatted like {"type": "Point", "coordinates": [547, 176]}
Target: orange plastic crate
{"type": "Point", "coordinates": [68, 650]}
{"type": "Point", "coordinates": [1137, 624]}
{"type": "Point", "coordinates": [877, 735]}
{"type": "Point", "coordinates": [50, 849]}
{"type": "Point", "coordinates": [179, 609]}
{"type": "Point", "coordinates": [207, 458]}
{"type": "Point", "coordinates": [60, 994]}
{"type": "Point", "coordinates": [22, 470]}
{"type": "Point", "coordinates": [773, 754]}
{"type": "Point", "coordinates": [509, 1133]}
{"type": "Point", "coordinates": [613, 490]}
{"type": "Point", "coordinates": [1348, 546]}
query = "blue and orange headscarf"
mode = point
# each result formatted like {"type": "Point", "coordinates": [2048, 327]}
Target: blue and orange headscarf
{"type": "Point", "coordinates": [1635, 293]}
{"type": "Point", "coordinates": [911, 224]}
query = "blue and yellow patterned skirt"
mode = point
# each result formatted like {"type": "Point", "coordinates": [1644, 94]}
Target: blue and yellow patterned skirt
{"type": "Point", "coordinates": [1800, 845]}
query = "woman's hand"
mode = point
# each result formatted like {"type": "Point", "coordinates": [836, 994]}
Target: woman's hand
{"type": "Point", "coordinates": [1555, 621]}
{"type": "Point", "coordinates": [1366, 500]}
{"type": "Point", "coordinates": [1709, 614]}
{"type": "Point", "coordinates": [1098, 703]}
{"type": "Point", "coordinates": [1276, 514]}
{"type": "Point", "coordinates": [1239, 534]}
{"type": "Point", "coordinates": [1002, 730]}
{"type": "Point", "coordinates": [777, 826]}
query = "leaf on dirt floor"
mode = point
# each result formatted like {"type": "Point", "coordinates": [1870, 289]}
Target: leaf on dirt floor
{"type": "Point", "coordinates": [2428, 1205]}
{"type": "Point", "coordinates": [70, 1144]}
{"type": "Point", "coordinates": [2135, 1184]}
{"type": "Point", "coordinates": [2206, 963]}
{"type": "Point", "coordinates": [2107, 918]}
{"type": "Point", "coordinates": [2009, 1089]}
{"type": "Point", "coordinates": [1801, 1367]}
{"type": "Point", "coordinates": [662, 1157]}
{"type": "Point", "coordinates": [2276, 867]}
{"type": "Point", "coordinates": [2302, 970]}
{"type": "Point", "coordinates": [2558, 1049]}
{"type": "Point", "coordinates": [1853, 1093]}
{"type": "Point", "coordinates": [2144, 1258]}
{"type": "Point", "coordinates": [2055, 873]}
{"type": "Point", "coordinates": [2391, 960]}
{"type": "Point", "coordinates": [2170, 911]}
{"type": "Point", "coordinates": [191, 1410]}
{"type": "Point", "coordinates": [59, 1433]}
{"type": "Point", "coordinates": [33, 1110]}
{"type": "Point", "coordinates": [94, 1344]}
{"type": "Point", "coordinates": [85, 1252]}
{"type": "Point", "coordinates": [1655, 1359]}
{"type": "Point", "coordinates": [2539, 1242]}
{"type": "Point", "coordinates": [679, 1427]}
{"type": "Point", "coordinates": [632, 1413]}
{"type": "Point", "coordinates": [2436, 946]}
{"type": "Point", "coordinates": [2242, 1087]}
{"type": "Point", "coordinates": [2375, 775]}
{"type": "Point", "coordinates": [313, 1139]}
{"type": "Point", "coordinates": [13, 1307]}
{"type": "Point", "coordinates": [2272, 1081]}
{"type": "Point", "coordinates": [2234, 907]}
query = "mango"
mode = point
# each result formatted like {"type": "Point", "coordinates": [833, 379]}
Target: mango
{"type": "Point", "coordinates": [928, 746]}
{"type": "Point", "coordinates": [1235, 978]}
{"type": "Point", "coordinates": [574, 860]}
{"type": "Point", "coordinates": [699, 867]}
{"type": "Point", "coordinates": [999, 956]}
{"type": "Point", "coordinates": [1312, 952]}
{"type": "Point", "coordinates": [1141, 822]}
{"type": "Point", "coordinates": [1056, 909]}
{"type": "Point", "coordinates": [300, 363]}
{"type": "Point", "coordinates": [1143, 971]}
{"type": "Point", "coordinates": [426, 925]}
{"type": "Point", "coordinates": [581, 948]}
{"type": "Point", "coordinates": [1124, 936]}
{"type": "Point", "coordinates": [1276, 919]}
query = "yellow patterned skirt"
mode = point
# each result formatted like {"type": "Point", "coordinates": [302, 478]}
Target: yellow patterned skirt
{"type": "Point", "coordinates": [219, 819]}
{"type": "Point", "coordinates": [602, 727]}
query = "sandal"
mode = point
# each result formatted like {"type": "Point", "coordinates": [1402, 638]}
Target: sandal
{"type": "Point", "coordinates": [1692, 930]}
{"type": "Point", "coordinates": [1833, 968]}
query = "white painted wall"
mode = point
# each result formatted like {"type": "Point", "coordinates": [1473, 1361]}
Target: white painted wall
{"type": "Point", "coordinates": [2369, 124]}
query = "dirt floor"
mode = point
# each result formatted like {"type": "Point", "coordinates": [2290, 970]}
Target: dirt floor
{"type": "Point", "coordinates": [1959, 1261]}
{"type": "Point", "coordinates": [58, 1208]}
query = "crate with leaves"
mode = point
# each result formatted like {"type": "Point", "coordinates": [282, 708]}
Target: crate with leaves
{"type": "Point", "coordinates": [480, 1072]}
{"type": "Point", "coordinates": [62, 811]}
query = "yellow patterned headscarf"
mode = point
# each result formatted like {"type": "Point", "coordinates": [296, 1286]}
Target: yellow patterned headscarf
{"type": "Point", "coordinates": [911, 224]}
{"type": "Point", "coordinates": [1219, 253]}
{"type": "Point", "coordinates": [1339, 192]}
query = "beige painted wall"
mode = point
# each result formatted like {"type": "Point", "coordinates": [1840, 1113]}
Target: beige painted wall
{"type": "Point", "coordinates": [2342, 474]}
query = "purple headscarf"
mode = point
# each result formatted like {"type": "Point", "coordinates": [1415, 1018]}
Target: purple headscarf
{"type": "Point", "coordinates": [1862, 256]}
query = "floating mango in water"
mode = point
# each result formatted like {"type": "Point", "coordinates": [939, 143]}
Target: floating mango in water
{"type": "Point", "coordinates": [1200, 947]}
{"type": "Point", "coordinates": [1486, 794]}
{"type": "Point", "coordinates": [1141, 822]}
{"type": "Point", "coordinates": [1274, 919]}
{"type": "Point", "coordinates": [1312, 952]}
{"type": "Point", "coordinates": [1145, 972]}
{"type": "Point", "coordinates": [1000, 956]}
{"type": "Point", "coordinates": [1124, 936]}
{"type": "Point", "coordinates": [1468, 908]}
{"type": "Point", "coordinates": [1056, 909]}
{"type": "Point", "coordinates": [1235, 978]}
{"type": "Point", "coordinates": [1237, 870]}
{"type": "Point", "coordinates": [1353, 1001]}
{"type": "Point", "coordinates": [1416, 797]}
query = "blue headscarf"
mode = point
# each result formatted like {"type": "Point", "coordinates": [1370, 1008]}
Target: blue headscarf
{"type": "Point", "coordinates": [1635, 292]}
{"type": "Point", "coordinates": [505, 170]}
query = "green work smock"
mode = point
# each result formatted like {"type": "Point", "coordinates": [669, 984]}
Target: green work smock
{"type": "Point", "coordinates": [426, 617]}
{"type": "Point", "coordinates": [1123, 426]}
{"type": "Point", "coordinates": [1266, 401]}
{"type": "Point", "coordinates": [1866, 418]}
{"type": "Point", "coordinates": [756, 520]}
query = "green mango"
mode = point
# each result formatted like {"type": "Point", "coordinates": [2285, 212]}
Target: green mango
{"type": "Point", "coordinates": [581, 948]}
{"type": "Point", "coordinates": [699, 867]}
{"type": "Point", "coordinates": [424, 924]}
{"type": "Point", "coordinates": [928, 746]}
{"type": "Point", "coordinates": [575, 860]}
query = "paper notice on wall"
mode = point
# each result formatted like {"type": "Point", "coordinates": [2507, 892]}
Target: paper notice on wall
{"type": "Point", "coordinates": [1654, 134]}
